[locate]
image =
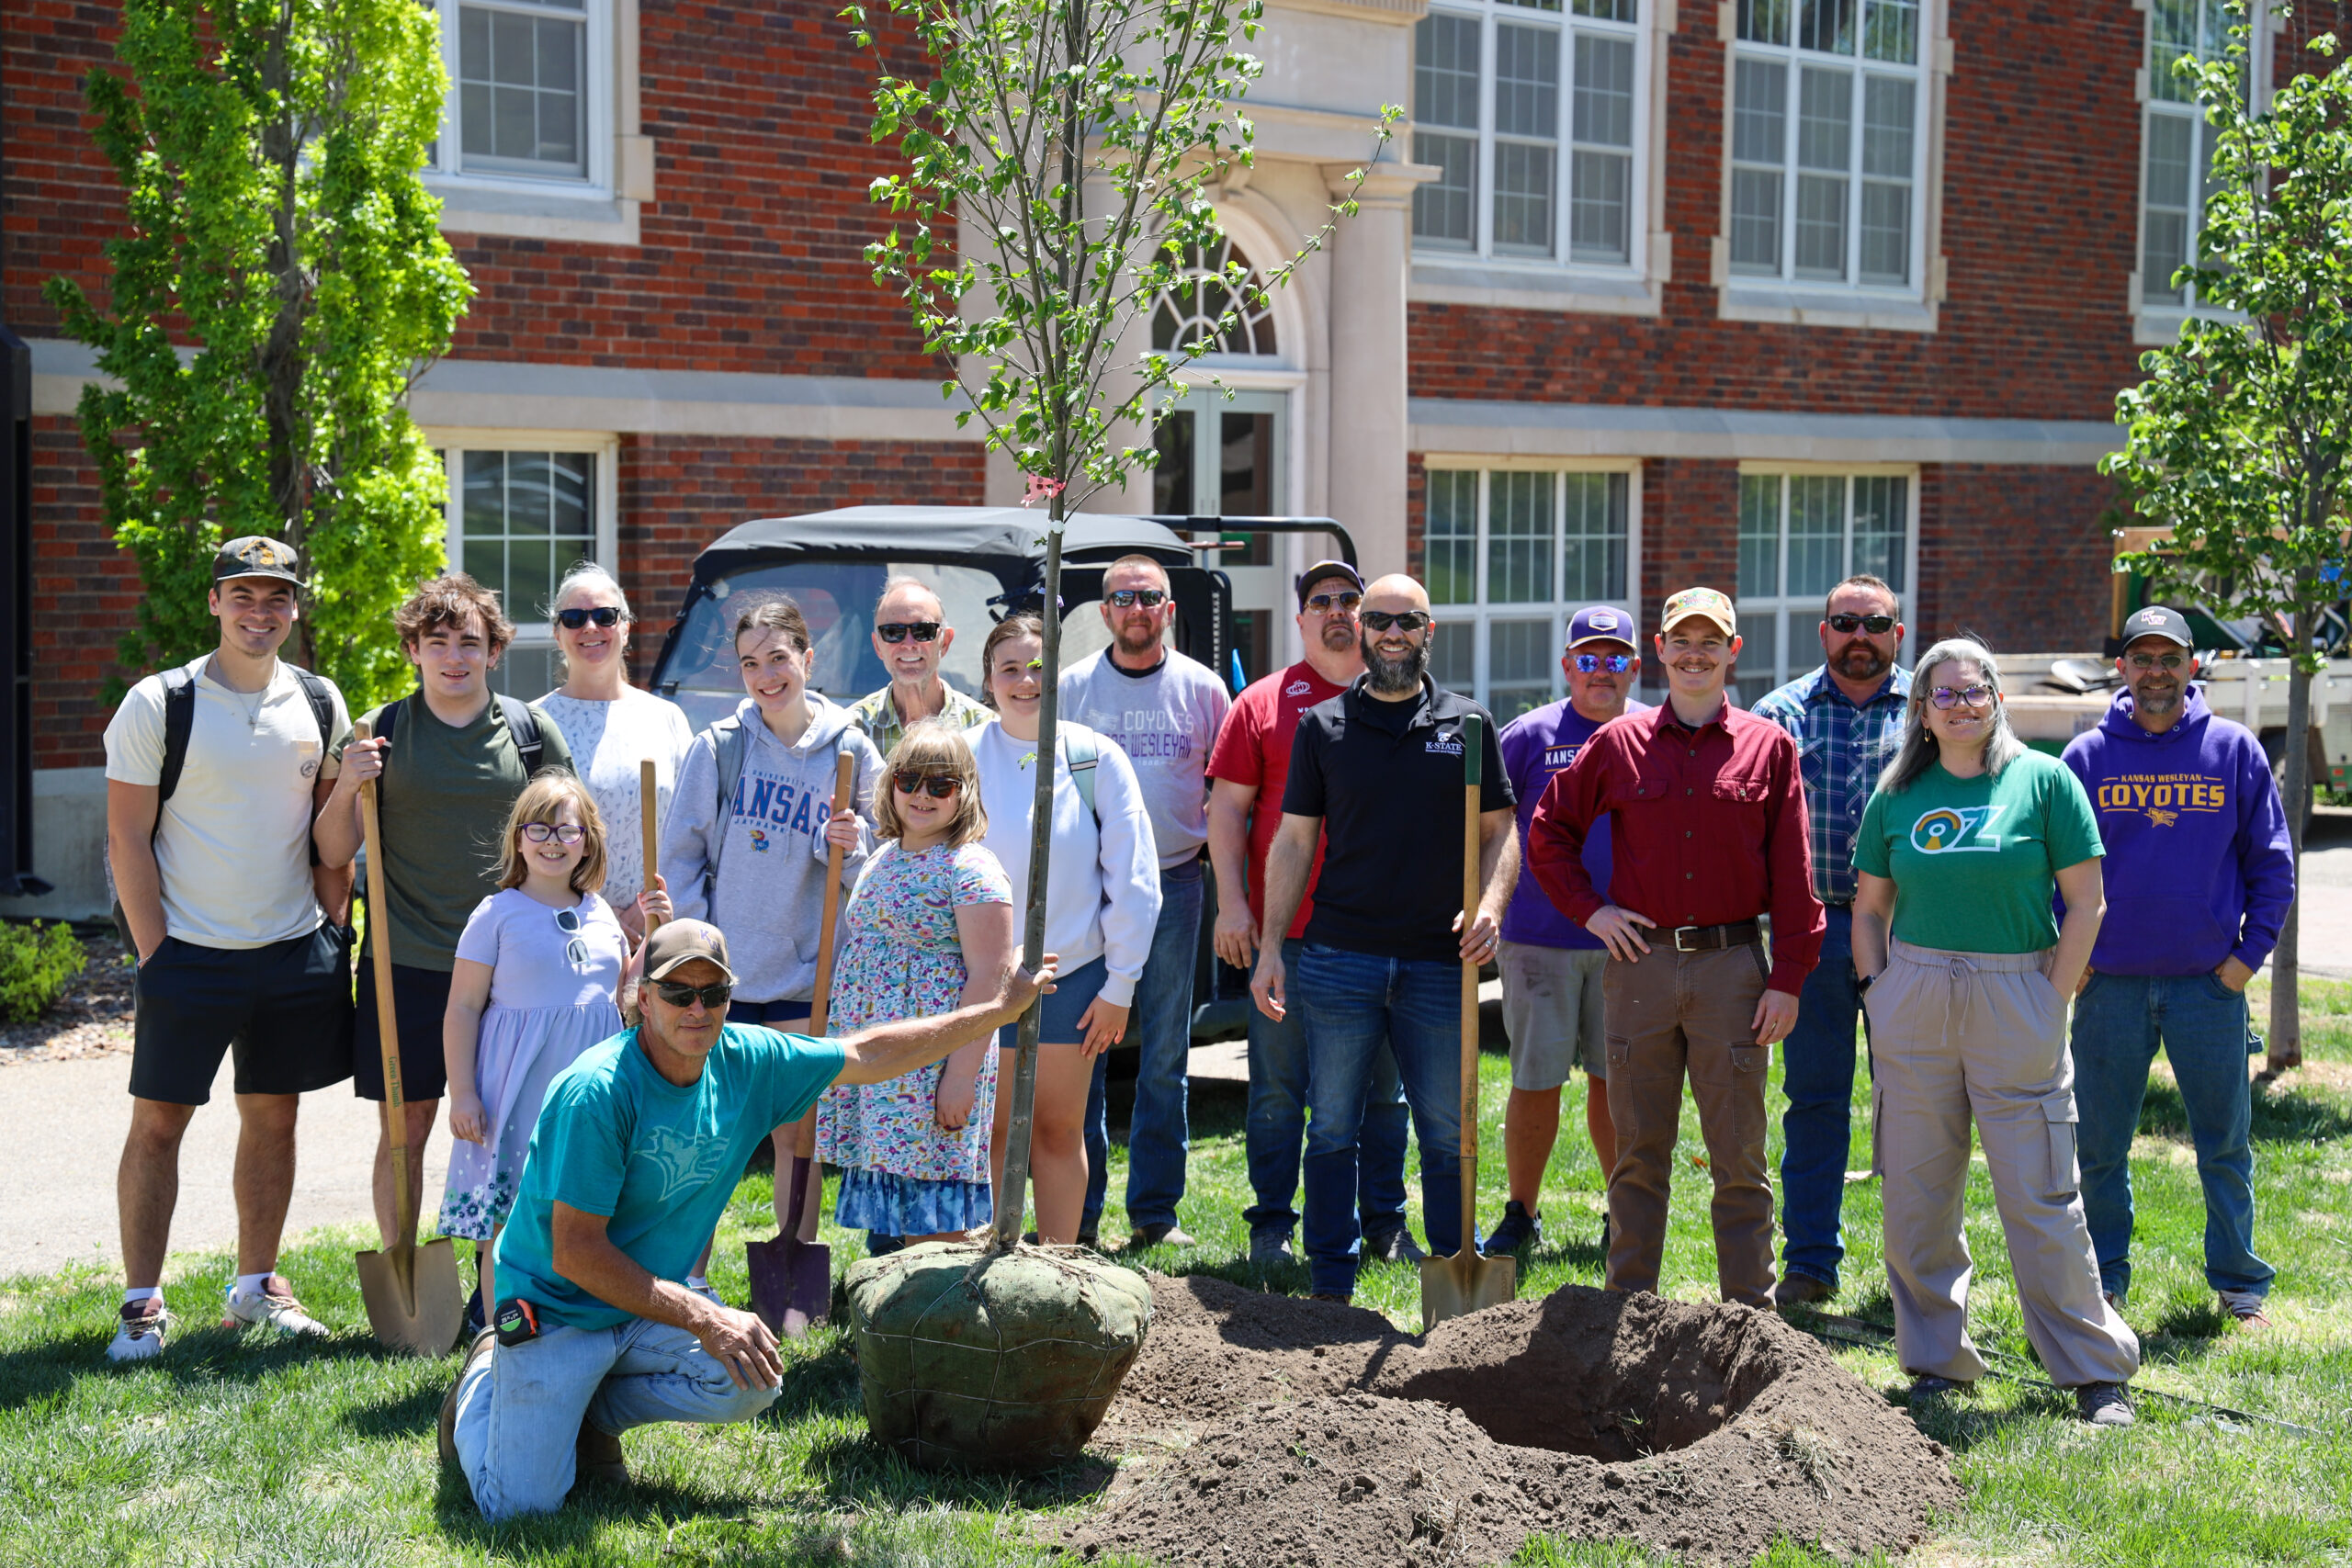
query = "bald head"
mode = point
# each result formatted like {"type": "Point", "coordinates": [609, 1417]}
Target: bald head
{"type": "Point", "coordinates": [1395, 592]}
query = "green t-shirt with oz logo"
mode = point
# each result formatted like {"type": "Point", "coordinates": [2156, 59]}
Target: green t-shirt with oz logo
{"type": "Point", "coordinates": [1975, 862]}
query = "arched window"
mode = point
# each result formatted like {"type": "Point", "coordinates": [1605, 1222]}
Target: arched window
{"type": "Point", "coordinates": [1189, 310]}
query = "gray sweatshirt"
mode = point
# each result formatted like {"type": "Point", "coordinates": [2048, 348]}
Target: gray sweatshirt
{"type": "Point", "coordinates": [756, 869]}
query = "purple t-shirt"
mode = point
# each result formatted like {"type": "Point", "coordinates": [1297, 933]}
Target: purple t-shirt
{"type": "Point", "coordinates": [1535, 746]}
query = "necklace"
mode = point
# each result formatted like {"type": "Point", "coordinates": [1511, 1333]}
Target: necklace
{"type": "Point", "coordinates": [253, 708]}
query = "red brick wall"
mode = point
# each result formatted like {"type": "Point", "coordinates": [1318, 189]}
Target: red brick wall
{"type": "Point", "coordinates": [60, 197]}
{"type": "Point", "coordinates": [2015, 556]}
{"type": "Point", "coordinates": [85, 593]}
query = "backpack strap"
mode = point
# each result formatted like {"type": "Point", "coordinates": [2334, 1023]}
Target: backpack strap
{"type": "Point", "coordinates": [321, 698]}
{"type": "Point", "coordinates": [732, 747]}
{"type": "Point", "coordinates": [179, 723]}
{"type": "Point", "coordinates": [524, 725]}
{"type": "Point", "coordinates": [1081, 752]}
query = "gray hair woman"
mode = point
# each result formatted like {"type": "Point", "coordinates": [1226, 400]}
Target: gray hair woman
{"type": "Point", "coordinates": [1966, 977]}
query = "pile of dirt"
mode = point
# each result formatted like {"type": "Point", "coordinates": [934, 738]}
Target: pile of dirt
{"type": "Point", "coordinates": [1308, 1433]}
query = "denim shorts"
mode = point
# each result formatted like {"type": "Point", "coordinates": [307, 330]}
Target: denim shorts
{"type": "Point", "coordinates": [1057, 1023]}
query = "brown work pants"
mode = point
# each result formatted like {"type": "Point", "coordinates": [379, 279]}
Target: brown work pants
{"type": "Point", "coordinates": [1667, 1014]}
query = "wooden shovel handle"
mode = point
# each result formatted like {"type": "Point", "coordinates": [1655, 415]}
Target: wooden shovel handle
{"type": "Point", "coordinates": [820, 999]}
{"type": "Point", "coordinates": [1472, 757]}
{"type": "Point", "coordinates": [647, 797]}
{"type": "Point", "coordinates": [388, 1031]}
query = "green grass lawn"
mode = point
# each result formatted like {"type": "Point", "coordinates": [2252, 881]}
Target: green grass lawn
{"type": "Point", "coordinates": [234, 1449]}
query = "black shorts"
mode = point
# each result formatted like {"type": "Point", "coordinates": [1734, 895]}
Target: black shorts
{"type": "Point", "coordinates": [420, 997]}
{"type": "Point", "coordinates": [286, 1010]}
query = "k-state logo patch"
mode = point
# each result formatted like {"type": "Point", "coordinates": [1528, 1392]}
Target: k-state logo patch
{"type": "Point", "coordinates": [1956, 830]}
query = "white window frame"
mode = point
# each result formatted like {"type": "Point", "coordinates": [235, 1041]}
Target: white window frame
{"type": "Point", "coordinates": [1796, 615]}
{"type": "Point", "coordinates": [2159, 322]}
{"type": "Point", "coordinates": [1483, 612]}
{"type": "Point", "coordinates": [1784, 297]}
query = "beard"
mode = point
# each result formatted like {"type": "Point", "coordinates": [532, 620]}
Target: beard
{"type": "Point", "coordinates": [1861, 661]}
{"type": "Point", "coordinates": [1137, 640]}
{"type": "Point", "coordinates": [1395, 677]}
{"type": "Point", "coordinates": [2153, 702]}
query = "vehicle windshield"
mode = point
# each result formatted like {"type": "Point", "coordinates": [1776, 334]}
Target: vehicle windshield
{"type": "Point", "coordinates": [838, 598]}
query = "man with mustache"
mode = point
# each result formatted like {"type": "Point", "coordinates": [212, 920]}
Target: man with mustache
{"type": "Point", "coordinates": [1847, 719]}
{"type": "Point", "coordinates": [1378, 772]}
{"type": "Point", "coordinates": [2199, 873]}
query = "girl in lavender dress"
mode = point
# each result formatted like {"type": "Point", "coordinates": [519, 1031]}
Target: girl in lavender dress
{"type": "Point", "coordinates": [538, 980]}
{"type": "Point", "coordinates": [930, 929]}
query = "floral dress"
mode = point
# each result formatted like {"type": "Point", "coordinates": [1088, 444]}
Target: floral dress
{"type": "Point", "coordinates": [903, 1174]}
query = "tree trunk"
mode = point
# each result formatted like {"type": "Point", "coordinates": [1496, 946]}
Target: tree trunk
{"type": "Point", "coordinates": [2286, 1012]}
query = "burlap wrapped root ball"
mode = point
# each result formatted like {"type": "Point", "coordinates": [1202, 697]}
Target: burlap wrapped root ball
{"type": "Point", "coordinates": [992, 1363]}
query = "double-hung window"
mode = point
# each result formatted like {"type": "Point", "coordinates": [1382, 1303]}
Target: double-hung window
{"type": "Point", "coordinates": [1530, 114]}
{"type": "Point", "coordinates": [1800, 536]}
{"type": "Point", "coordinates": [2177, 176]}
{"type": "Point", "coordinates": [1828, 143]}
{"type": "Point", "coordinates": [1509, 555]}
{"type": "Point", "coordinates": [528, 98]}
{"type": "Point", "coordinates": [519, 518]}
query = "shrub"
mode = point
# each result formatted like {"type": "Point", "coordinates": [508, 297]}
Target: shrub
{"type": "Point", "coordinates": [36, 963]}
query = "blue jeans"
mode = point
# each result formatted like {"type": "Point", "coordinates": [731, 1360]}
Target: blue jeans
{"type": "Point", "coordinates": [2117, 1022]}
{"type": "Point", "coordinates": [1277, 1126]}
{"type": "Point", "coordinates": [519, 1410]}
{"type": "Point", "coordinates": [1352, 1003]}
{"type": "Point", "coordinates": [1160, 1132]}
{"type": "Point", "coordinates": [1817, 1065]}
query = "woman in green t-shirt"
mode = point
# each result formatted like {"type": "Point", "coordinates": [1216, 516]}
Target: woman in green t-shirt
{"type": "Point", "coordinates": [1966, 974]}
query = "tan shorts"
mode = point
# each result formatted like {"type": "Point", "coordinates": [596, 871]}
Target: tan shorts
{"type": "Point", "coordinates": [1552, 1012]}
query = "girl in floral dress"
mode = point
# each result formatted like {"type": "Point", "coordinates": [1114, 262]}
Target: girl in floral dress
{"type": "Point", "coordinates": [929, 928]}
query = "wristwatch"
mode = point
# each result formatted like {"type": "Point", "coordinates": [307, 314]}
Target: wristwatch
{"type": "Point", "coordinates": [1862, 983]}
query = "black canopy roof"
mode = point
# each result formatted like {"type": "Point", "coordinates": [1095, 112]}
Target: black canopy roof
{"type": "Point", "coordinates": [944, 532]}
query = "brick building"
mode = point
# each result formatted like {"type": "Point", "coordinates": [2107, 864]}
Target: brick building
{"type": "Point", "coordinates": [1648, 293]}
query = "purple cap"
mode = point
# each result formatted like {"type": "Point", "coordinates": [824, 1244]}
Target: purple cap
{"type": "Point", "coordinates": [1602, 622]}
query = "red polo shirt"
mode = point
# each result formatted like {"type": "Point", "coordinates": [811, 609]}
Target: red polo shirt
{"type": "Point", "coordinates": [1253, 748]}
{"type": "Point", "coordinates": [1708, 828]}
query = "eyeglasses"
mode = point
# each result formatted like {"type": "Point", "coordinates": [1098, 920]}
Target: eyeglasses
{"type": "Point", "coordinates": [1594, 664]}
{"type": "Point", "coordinates": [1975, 696]}
{"type": "Point", "coordinates": [2142, 664]}
{"type": "Point", "coordinates": [939, 786]}
{"type": "Point", "coordinates": [1344, 601]}
{"type": "Point", "coordinates": [679, 995]}
{"type": "Point", "coordinates": [899, 631]}
{"type": "Point", "coordinates": [1128, 598]}
{"type": "Point", "coordinates": [567, 920]}
{"type": "Point", "coordinates": [561, 832]}
{"type": "Point", "coordinates": [1847, 626]}
{"type": "Point", "coordinates": [1402, 620]}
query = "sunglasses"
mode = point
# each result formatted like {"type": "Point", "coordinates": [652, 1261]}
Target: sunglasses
{"type": "Point", "coordinates": [567, 920]}
{"type": "Point", "coordinates": [1847, 626]}
{"type": "Point", "coordinates": [1324, 603]}
{"type": "Point", "coordinates": [679, 995]}
{"type": "Point", "coordinates": [2142, 664]}
{"type": "Point", "coordinates": [899, 631]}
{"type": "Point", "coordinates": [1975, 696]}
{"type": "Point", "coordinates": [603, 615]}
{"type": "Point", "coordinates": [1402, 620]}
{"type": "Point", "coordinates": [1615, 663]}
{"type": "Point", "coordinates": [939, 786]}
{"type": "Point", "coordinates": [1128, 598]}
{"type": "Point", "coordinates": [561, 832]}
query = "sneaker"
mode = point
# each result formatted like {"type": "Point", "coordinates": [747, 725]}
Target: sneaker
{"type": "Point", "coordinates": [1092, 1240]}
{"type": "Point", "coordinates": [1157, 1234]}
{"type": "Point", "coordinates": [2102, 1404]}
{"type": "Point", "coordinates": [597, 1456]}
{"type": "Point", "coordinates": [1270, 1248]}
{"type": "Point", "coordinates": [1396, 1246]}
{"type": "Point", "coordinates": [272, 1306]}
{"type": "Point", "coordinates": [446, 1429]}
{"type": "Point", "coordinates": [139, 1332]}
{"type": "Point", "coordinates": [2244, 1308]}
{"type": "Point", "coordinates": [1518, 1229]}
{"type": "Point", "coordinates": [1927, 1386]}
{"type": "Point", "coordinates": [1800, 1289]}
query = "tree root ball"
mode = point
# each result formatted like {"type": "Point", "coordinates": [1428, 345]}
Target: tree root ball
{"type": "Point", "coordinates": [1003, 1361]}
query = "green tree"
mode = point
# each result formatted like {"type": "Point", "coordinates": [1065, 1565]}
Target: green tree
{"type": "Point", "coordinates": [268, 153]}
{"type": "Point", "coordinates": [1070, 144]}
{"type": "Point", "coordinates": [2240, 434]}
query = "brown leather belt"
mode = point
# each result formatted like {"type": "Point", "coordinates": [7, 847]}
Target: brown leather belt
{"type": "Point", "coordinates": [1706, 939]}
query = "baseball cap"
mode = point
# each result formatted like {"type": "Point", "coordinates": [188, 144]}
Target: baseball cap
{"type": "Point", "coordinates": [1601, 623]}
{"type": "Point", "coordinates": [255, 556]}
{"type": "Point", "coordinates": [1704, 603]}
{"type": "Point", "coordinates": [1323, 569]}
{"type": "Point", "coordinates": [683, 941]}
{"type": "Point", "coordinates": [2157, 621]}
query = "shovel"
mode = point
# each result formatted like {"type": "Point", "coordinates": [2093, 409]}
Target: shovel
{"type": "Point", "coordinates": [414, 1301]}
{"type": "Point", "coordinates": [792, 1277]}
{"type": "Point", "coordinates": [1467, 1281]}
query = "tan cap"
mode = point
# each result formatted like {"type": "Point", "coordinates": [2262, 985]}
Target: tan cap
{"type": "Point", "coordinates": [1704, 603]}
{"type": "Point", "coordinates": [683, 941]}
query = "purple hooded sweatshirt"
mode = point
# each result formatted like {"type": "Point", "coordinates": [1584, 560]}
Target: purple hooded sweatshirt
{"type": "Point", "coordinates": [2198, 865]}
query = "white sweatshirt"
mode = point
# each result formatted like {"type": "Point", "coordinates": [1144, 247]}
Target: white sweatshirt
{"type": "Point", "coordinates": [1102, 888]}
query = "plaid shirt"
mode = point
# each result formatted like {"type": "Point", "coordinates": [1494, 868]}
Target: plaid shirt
{"type": "Point", "coordinates": [1840, 750]}
{"type": "Point", "coordinates": [878, 716]}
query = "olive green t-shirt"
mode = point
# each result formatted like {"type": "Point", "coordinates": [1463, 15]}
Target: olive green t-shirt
{"type": "Point", "coordinates": [442, 806]}
{"type": "Point", "coordinates": [1975, 862]}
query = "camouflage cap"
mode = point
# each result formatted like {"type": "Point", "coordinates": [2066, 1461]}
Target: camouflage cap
{"type": "Point", "coordinates": [255, 556]}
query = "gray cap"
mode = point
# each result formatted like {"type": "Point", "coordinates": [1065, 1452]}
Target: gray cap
{"type": "Point", "coordinates": [2157, 621]}
{"type": "Point", "coordinates": [683, 941]}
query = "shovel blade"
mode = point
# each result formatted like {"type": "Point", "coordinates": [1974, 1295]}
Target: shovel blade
{"type": "Point", "coordinates": [1465, 1283]}
{"type": "Point", "coordinates": [414, 1301]}
{"type": "Point", "coordinates": [792, 1282]}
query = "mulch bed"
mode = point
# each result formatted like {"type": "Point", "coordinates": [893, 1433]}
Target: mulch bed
{"type": "Point", "coordinates": [92, 1018]}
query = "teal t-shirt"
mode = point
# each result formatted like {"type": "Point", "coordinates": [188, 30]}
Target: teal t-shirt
{"type": "Point", "coordinates": [658, 1159]}
{"type": "Point", "coordinates": [1975, 862]}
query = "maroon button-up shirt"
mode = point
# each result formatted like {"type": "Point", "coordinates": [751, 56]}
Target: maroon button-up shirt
{"type": "Point", "coordinates": [1709, 829]}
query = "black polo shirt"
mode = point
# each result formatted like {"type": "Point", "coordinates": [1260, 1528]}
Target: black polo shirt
{"type": "Point", "coordinates": [1386, 779]}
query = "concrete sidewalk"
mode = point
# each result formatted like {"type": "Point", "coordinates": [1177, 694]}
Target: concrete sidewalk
{"type": "Point", "coordinates": [66, 1122]}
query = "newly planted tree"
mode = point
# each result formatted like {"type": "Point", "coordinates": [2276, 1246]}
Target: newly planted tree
{"type": "Point", "coordinates": [280, 238]}
{"type": "Point", "coordinates": [2240, 435]}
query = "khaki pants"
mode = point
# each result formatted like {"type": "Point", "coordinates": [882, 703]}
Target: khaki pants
{"type": "Point", "coordinates": [1983, 1035]}
{"type": "Point", "coordinates": [1668, 1014]}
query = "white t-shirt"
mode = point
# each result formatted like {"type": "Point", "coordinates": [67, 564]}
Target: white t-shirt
{"type": "Point", "coordinates": [608, 741]}
{"type": "Point", "coordinates": [233, 844]}
{"type": "Point", "coordinates": [1166, 721]}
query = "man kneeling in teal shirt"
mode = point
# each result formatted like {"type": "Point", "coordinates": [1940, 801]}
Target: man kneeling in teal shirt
{"type": "Point", "coordinates": [637, 1149]}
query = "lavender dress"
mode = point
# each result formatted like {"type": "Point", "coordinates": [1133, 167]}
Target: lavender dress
{"type": "Point", "coordinates": [545, 1009]}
